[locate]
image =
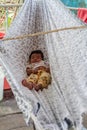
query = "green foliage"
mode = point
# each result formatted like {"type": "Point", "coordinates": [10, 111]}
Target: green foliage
{"type": "Point", "coordinates": [6, 16]}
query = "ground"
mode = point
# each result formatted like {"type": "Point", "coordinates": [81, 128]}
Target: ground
{"type": "Point", "coordinates": [12, 119]}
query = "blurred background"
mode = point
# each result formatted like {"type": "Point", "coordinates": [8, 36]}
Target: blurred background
{"type": "Point", "coordinates": [10, 8]}
{"type": "Point", "coordinates": [8, 11]}
{"type": "Point", "coordinates": [75, 3]}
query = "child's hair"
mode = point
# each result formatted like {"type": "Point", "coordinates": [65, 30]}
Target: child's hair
{"type": "Point", "coordinates": [37, 52]}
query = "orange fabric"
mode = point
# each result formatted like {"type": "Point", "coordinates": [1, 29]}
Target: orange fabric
{"type": "Point", "coordinates": [82, 14]}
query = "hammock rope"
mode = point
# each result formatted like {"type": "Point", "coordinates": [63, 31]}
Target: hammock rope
{"type": "Point", "coordinates": [43, 33]}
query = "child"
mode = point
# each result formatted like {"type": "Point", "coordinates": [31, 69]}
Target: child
{"type": "Point", "coordinates": [38, 72]}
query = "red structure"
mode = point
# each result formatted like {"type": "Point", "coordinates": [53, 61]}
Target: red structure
{"type": "Point", "coordinates": [2, 35]}
{"type": "Point", "coordinates": [6, 84]}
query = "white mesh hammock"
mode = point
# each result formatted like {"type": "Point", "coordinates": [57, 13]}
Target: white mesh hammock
{"type": "Point", "coordinates": [67, 55]}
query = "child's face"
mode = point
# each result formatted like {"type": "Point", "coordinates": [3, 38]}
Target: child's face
{"type": "Point", "coordinates": [35, 58]}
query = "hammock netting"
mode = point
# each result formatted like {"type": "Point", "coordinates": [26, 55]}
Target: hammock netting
{"type": "Point", "coordinates": [66, 52]}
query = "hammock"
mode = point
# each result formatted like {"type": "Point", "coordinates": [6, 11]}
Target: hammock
{"type": "Point", "coordinates": [66, 97]}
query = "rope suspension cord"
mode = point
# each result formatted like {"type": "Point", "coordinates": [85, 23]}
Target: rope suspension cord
{"type": "Point", "coordinates": [72, 8]}
{"type": "Point", "coordinates": [43, 33]}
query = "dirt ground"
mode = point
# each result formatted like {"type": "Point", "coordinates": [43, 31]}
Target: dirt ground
{"type": "Point", "coordinates": [12, 119]}
{"type": "Point", "coordinates": [85, 120]}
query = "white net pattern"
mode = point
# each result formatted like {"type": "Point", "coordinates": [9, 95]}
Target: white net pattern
{"type": "Point", "coordinates": [66, 52]}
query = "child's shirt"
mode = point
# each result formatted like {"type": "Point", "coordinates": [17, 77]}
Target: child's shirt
{"type": "Point", "coordinates": [37, 64]}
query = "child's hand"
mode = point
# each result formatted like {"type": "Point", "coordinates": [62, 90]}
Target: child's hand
{"type": "Point", "coordinates": [28, 70]}
{"type": "Point", "coordinates": [35, 71]}
{"type": "Point", "coordinates": [48, 70]}
{"type": "Point", "coordinates": [42, 68]}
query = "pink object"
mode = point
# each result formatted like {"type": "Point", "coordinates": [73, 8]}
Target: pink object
{"type": "Point", "coordinates": [82, 14]}
{"type": "Point", "coordinates": [2, 35]}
